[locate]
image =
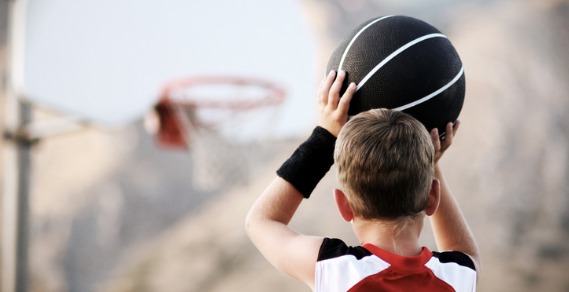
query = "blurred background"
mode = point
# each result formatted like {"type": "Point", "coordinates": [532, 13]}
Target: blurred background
{"type": "Point", "coordinates": [112, 211]}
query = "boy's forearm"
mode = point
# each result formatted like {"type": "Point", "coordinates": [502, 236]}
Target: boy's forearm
{"type": "Point", "coordinates": [278, 202]}
{"type": "Point", "coordinates": [267, 221]}
{"type": "Point", "coordinates": [267, 227]}
{"type": "Point", "coordinates": [449, 226]}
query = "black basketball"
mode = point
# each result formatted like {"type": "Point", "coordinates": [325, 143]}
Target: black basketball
{"type": "Point", "coordinates": [402, 63]}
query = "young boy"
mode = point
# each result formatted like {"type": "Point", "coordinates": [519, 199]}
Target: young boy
{"type": "Point", "coordinates": [390, 180]}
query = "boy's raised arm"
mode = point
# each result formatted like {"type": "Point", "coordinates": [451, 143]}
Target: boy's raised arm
{"type": "Point", "coordinates": [267, 221]}
{"type": "Point", "coordinates": [450, 227]}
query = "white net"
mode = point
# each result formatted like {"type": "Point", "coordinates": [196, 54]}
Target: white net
{"type": "Point", "coordinates": [224, 127]}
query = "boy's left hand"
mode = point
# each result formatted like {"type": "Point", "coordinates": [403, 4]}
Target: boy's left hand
{"type": "Point", "coordinates": [441, 147]}
{"type": "Point", "coordinates": [333, 109]}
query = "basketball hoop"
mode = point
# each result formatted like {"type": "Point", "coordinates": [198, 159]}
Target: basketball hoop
{"type": "Point", "coordinates": [192, 114]}
{"type": "Point", "coordinates": [221, 97]}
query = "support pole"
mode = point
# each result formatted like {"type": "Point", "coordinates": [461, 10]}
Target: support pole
{"type": "Point", "coordinates": [18, 114]}
{"type": "Point", "coordinates": [16, 205]}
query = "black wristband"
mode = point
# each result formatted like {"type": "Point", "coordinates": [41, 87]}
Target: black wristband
{"type": "Point", "coordinates": [309, 162]}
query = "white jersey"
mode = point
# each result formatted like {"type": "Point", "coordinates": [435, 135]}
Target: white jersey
{"type": "Point", "coordinates": [369, 268]}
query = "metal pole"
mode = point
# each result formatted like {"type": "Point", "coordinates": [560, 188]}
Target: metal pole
{"type": "Point", "coordinates": [24, 168]}
{"type": "Point", "coordinates": [16, 203]}
{"type": "Point", "coordinates": [17, 161]}
{"type": "Point", "coordinates": [10, 200]}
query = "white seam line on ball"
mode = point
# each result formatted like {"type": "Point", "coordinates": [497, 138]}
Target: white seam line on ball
{"type": "Point", "coordinates": [397, 52]}
{"type": "Point", "coordinates": [421, 100]}
{"type": "Point", "coordinates": [354, 39]}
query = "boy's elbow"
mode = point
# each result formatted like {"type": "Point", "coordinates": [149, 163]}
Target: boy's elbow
{"type": "Point", "coordinates": [251, 223]}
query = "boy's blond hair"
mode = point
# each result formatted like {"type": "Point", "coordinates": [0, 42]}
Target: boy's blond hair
{"type": "Point", "coordinates": [385, 164]}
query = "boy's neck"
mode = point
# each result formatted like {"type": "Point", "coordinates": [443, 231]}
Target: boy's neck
{"type": "Point", "coordinates": [399, 237]}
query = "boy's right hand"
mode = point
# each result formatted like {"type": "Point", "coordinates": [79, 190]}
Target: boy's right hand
{"type": "Point", "coordinates": [440, 148]}
{"type": "Point", "coordinates": [333, 109]}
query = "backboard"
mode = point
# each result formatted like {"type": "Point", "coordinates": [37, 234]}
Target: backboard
{"type": "Point", "coordinates": [106, 60]}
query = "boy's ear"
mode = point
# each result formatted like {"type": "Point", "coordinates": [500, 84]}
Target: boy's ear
{"type": "Point", "coordinates": [434, 197]}
{"type": "Point", "coordinates": [343, 205]}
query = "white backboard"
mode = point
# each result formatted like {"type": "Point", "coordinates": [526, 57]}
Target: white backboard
{"type": "Point", "coordinates": [107, 60]}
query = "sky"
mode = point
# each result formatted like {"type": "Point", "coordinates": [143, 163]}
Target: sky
{"type": "Point", "coordinates": [106, 61]}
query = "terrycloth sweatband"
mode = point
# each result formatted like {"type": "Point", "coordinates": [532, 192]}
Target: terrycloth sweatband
{"type": "Point", "coordinates": [309, 162]}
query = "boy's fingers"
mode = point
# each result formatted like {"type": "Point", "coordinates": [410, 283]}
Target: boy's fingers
{"type": "Point", "coordinates": [455, 127]}
{"type": "Point", "coordinates": [334, 95]}
{"type": "Point", "coordinates": [325, 87]}
{"type": "Point", "coordinates": [344, 103]}
{"type": "Point", "coordinates": [435, 139]}
{"type": "Point", "coordinates": [448, 137]}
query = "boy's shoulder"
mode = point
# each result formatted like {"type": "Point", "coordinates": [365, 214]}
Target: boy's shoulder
{"type": "Point", "coordinates": [456, 257]}
{"type": "Point", "coordinates": [333, 248]}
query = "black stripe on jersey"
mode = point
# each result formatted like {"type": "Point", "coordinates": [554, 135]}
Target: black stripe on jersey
{"type": "Point", "coordinates": [455, 257]}
{"type": "Point", "coordinates": [333, 248]}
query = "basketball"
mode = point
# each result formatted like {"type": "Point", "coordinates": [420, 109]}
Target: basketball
{"type": "Point", "coordinates": [402, 63]}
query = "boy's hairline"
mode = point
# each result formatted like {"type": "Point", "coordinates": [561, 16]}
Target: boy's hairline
{"type": "Point", "coordinates": [348, 193]}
